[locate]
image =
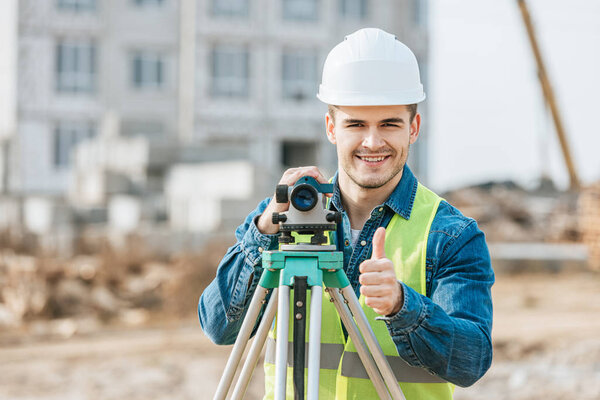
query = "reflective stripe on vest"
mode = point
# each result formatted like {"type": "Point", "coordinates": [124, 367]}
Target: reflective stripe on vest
{"type": "Point", "coordinates": [353, 367]}
{"type": "Point", "coordinates": [330, 356]}
{"type": "Point", "coordinates": [405, 246]}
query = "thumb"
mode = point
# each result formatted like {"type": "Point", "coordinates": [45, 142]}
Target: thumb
{"type": "Point", "coordinates": [378, 244]}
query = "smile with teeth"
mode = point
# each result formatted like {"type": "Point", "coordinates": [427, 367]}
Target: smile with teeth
{"type": "Point", "coordinates": [372, 158]}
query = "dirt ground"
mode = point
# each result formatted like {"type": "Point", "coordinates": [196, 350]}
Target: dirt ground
{"type": "Point", "coordinates": [546, 343]}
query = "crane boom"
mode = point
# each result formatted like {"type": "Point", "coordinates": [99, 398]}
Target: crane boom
{"type": "Point", "coordinates": [549, 96]}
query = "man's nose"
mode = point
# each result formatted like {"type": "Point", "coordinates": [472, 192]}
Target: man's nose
{"type": "Point", "coordinates": [373, 139]}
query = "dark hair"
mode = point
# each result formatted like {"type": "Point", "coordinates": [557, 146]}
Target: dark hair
{"type": "Point", "coordinates": [412, 109]}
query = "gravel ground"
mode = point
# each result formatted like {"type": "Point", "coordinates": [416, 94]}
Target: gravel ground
{"type": "Point", "coordinates": [546, 341]}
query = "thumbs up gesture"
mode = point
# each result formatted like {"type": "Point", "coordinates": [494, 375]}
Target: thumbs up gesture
{"type": "Point", "coordinates": [382, 291]}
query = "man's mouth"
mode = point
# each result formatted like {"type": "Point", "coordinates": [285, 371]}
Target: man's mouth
{"type": "Point", "coordinates": [372, 159]}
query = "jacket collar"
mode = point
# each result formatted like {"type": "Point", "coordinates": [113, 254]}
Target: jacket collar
{"type": "Point", "coordinates": [400, 201]}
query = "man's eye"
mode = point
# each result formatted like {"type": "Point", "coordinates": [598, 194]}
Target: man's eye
{"type": "Point", "coordinates": [390, 125]}
{"type": "Point", "coordinates": [354, 125]}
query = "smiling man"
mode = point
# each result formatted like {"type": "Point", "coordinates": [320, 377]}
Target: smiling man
{"type": "Point", "coordinates": [422, 270]}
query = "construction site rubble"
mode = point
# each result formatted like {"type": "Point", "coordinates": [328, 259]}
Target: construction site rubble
{"type": "Point", "coordinates": [506, 212]}
{"type": "Point", "coordinates": [130, 283]}
{"type": "Point", "coordinates": [589, 222]}
{"type": "Point", "coordinates": [86, 291]}
{"type": "Point", "coordinates": [150, 297]}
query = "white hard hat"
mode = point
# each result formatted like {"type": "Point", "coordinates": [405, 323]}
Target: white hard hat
{"type": "Point", "coordinates": [371, 68]}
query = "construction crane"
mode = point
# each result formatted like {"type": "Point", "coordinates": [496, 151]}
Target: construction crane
{"type": "Point", "coordinates": [549, 96]}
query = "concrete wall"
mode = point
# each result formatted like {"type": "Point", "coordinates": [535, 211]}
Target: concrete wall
{"type": "Point", "coordinates": [8, 83]}
{"type": "Point", "coordinates": [106, 166]}
{"type": "Point", "coordinates": [8, 73]}
{"type": "Point", "coordinates": [259, 124]}
{"type": "Point", "coordinates": [117, 28]}
{"type": "Point", "coordinates": [195, 193]}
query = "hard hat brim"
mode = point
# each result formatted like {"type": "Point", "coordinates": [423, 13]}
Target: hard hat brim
{"type": "Point", "coordinates": [369, 99]}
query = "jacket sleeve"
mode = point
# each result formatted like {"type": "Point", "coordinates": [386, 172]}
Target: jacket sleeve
{"type": "Point", "coordinates": [449, 333]}
{"type": "Point", "coordinates": [224, 303]}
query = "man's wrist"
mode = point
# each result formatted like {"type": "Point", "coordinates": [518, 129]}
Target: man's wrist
{"type": "Point", "coordinates": [255, 241]}
{"type": "Point", "coordinates": [410, 314]}
{"type": "Point", "coordinates": [265, 225]}
{"type": "Point", "coordinates": [399, 301]}
{"type": "Point", "coordinates": [265, 221]}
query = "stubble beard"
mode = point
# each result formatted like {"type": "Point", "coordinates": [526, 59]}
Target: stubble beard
{"type": "Point", "coordinates": [377, 183]}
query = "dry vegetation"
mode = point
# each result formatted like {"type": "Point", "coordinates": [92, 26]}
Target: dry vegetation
{"type": "Point", "coordinates": [102, 285]}
{"type": "Point", "coordinates": [117, 322]}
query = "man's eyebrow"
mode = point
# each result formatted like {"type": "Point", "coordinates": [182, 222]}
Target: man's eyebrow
{"type": "Point", "coordinates": [392, 121]}
{"type": "Point", "coordinates": [354, 121]}
{"type": "Point", "coordinates": [350, 121]}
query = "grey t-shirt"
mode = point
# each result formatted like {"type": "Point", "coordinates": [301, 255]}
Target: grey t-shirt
{"type": "Point", "coordinates": [355, 235]}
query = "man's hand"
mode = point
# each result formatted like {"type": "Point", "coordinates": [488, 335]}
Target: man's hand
{"type": "Point", "coordinates": [265, 224]}
{"type": "Point", "coordinates": [382, 291]}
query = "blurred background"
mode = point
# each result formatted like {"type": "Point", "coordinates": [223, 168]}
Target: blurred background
{"type": "Point", "coordinates": [135, 135]}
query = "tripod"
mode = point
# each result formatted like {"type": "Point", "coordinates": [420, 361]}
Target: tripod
{"type": "Point", "coordinates": [304, 266]}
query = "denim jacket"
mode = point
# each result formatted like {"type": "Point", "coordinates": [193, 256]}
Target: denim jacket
{"type": "Point", "coordinates": [448, 331]}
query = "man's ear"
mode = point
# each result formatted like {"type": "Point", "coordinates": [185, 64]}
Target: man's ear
{"type": "Point", "coordinates": [415, 127]}
{"type": "Point", "coordinates": [330, 128]}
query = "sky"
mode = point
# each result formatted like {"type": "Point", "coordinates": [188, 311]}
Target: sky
{"type": "Point", "coordinates": [488, 119]}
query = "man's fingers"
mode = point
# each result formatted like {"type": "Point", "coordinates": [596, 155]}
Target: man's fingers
{"type": "Point", "coordinates": [378, 303]}
{"type": "Point", "coordinates": [376, 291]}
{"type": "Point", "coordinates": [378, 244]}
{"type": "Point", "coordinates": [377, 278]}
{"type": "Point", "coordinates": [292, 175]}
{"type": "Point", "coordinates": [375, 265]}
{"type": "Point", "coordinates": [315, 173]}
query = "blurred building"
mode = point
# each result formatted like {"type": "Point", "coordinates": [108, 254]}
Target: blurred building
{"type": "Point", "coordinates": [114, 97]}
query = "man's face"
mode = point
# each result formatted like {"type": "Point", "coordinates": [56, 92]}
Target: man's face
{"type": "Point", "coordinates": [372, 142]}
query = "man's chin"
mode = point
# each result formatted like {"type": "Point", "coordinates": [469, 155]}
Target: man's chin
{"type": "Point", "coordinates": [370, 183]}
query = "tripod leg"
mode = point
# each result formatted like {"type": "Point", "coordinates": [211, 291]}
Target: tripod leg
{"type": "Point", "coordinates": [240, 343]}
{"type": "Point", "coordinates": [359, 343]}
{"type": "Point", "coordinates": [314, 343]}
{"type": "Point", "coordinates": [256, 348]}
{"type": "Point", "coordinates": [299, 345]}
{"type": "Point", "coordinates": [281, 349]}
{"type": "Point", "coordinates": [374, 348]}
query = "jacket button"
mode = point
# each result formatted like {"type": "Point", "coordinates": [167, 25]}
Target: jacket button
{"type": "Point", "coordinates": [363, 242]}
{"type": "Point", "coordinates": [346, 243]}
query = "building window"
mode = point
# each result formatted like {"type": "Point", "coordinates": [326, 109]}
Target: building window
{"type": "Point", "coordinates": [66, 137]}
{"type": "Point", "coordinates": [76, 66]}
{"type": "Point", "coordinates": [353, 9]}
{"type": "Point", "coordinates": [77, 5]}
{"type": "Point", "coordinates": [142, 3]}
{"type": "Point", "coordinates": [302, 10]}
{"type": "Point", "coordinates": [299, 75]}
{"type": "Point", "coordinates": [230, 8]}
{"type": "Point", "coordinates": [296, 154]}
{"type": "Point", "coordinates": [230, 71]}
{"type": "Point", "coordinates": [147, 70]}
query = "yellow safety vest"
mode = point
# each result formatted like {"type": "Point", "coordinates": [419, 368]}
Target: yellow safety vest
{"type": "Point", "coordinates": [342, 374]}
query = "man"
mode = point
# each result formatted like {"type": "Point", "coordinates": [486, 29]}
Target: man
{"type": "Point", "coordinates": [418, 265]}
